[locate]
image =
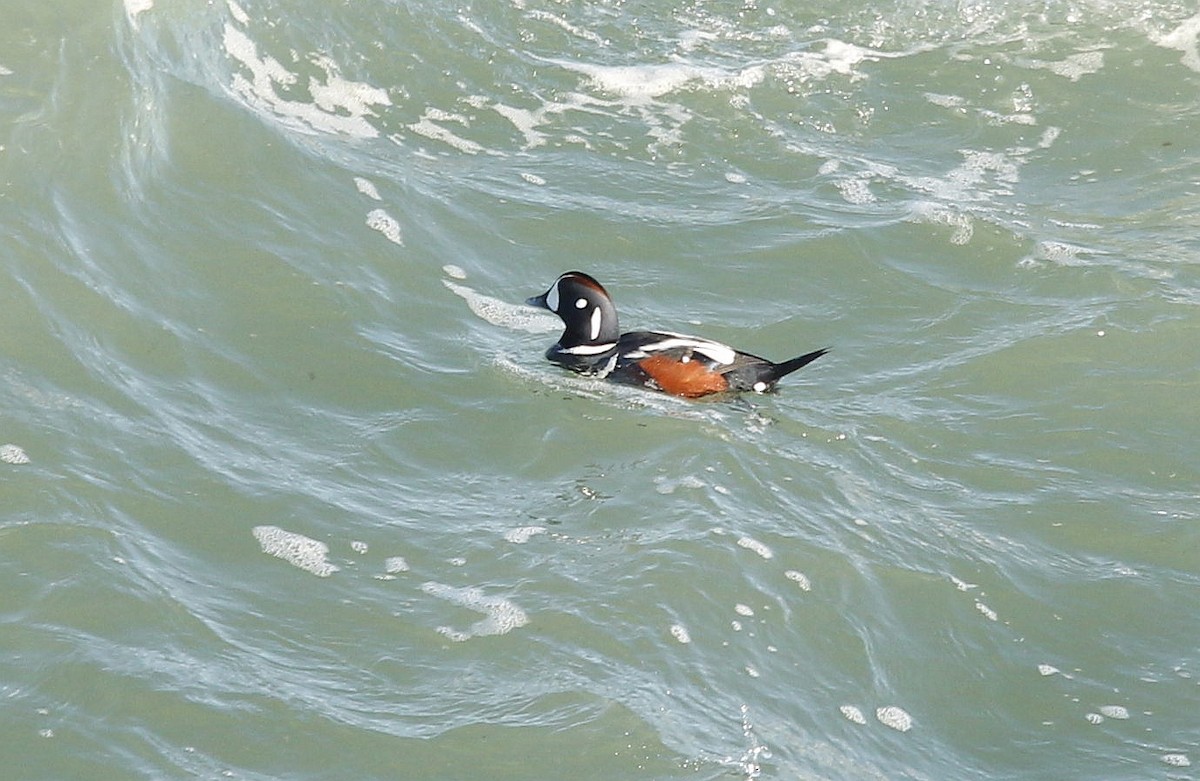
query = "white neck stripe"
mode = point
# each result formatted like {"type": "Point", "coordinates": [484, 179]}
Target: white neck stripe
{"type": "Point", "coordinates": [588, 349]}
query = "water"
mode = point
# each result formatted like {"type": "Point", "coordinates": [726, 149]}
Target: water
{"type": "Point", "coordinates": [289, 492]}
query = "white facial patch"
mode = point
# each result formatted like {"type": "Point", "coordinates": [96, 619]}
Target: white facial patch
{"type": "Point", "coordinates": [581, 303]}
{"type": "Point", "coordinates": [552, 298]}
{"type": "Point", "coordinates": [597, 316]}
{"type": "Point", "coordinates": [760, 387]}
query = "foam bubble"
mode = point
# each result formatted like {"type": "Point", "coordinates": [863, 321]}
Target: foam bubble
{"type": "Point", "coordinates": [853, 714]}
{"type": "Point", "coordinates": [1118, 712]}
{"type": "Point", "coordinates": [135, 7]}
{"type": "Point", "coordinates": [522, 534]}
{"type": "Point", "coordinates": [296, 549]}
{"type": "Point", "coordinates": [665, 485]}
{"type": "Point", "coordinates": [1076, 66]}
{"type": "Point", "coordinates": [642, 82]}
{"type": "Point", "coordinates": [799, 578]}
{"type": "Point", "coordinates": [1059, 252]}
{"type": "Point", "coordinates": [945, 101]}
{"type": "Point", "coordinates": [427, 126]}
{"type": "Point", "coordinates": [894, 717]}
{"type": "Point", "coordinates": [987, 611]}
{"type": "Point", "coordinates": [339, 105]}
{"type": "Point", "coordinates": [359, 547]}
{"type": "Point", "coordinates": [1094, 718]}
{"type": "Point", "coordinates": [13, 454]}
{"type": "Point", "coordinates": [393, 565]}
{"type": "Point", "coordinates": [743, 610]}
{"type": "Point", "coordinates": [1049, 136]}
{"type": "Point", "coordinates": [752, 544]}
{"type": "Point", "coordinates": [380, 220]}
{"type": "Point", "coordinates": [533, 179]}
{"type": "Point", "coordinates": [856, 191]}
{"type": "Point", "coordinates": [238, 12]}
{"type": "Point", "coordinates": [367, 188]}
{"type": "Point", "coordinates": [501, 615]}
{"type": "Point", "coordinates": [962, 585]}
{"type": "Point", "coordinates": [517, 317]}
{"type": "Point", "coordinates": [1177, 760]}
{"type": "Point", "coordinates": [1184, 38]}
{"type": "Point", "coordinates": [1047, 669]}
{"type": "Point", "coordinates": [339, 95]}
{"type": "Point", "coordinates": [680, 633]}
{"type": "Point", "coordinates": [454, 272]}
{"type": "Point", "coordinates": [963, 225]}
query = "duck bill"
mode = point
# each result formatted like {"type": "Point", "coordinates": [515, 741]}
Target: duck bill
{"type": "Point", "coordinates": [539, 301]}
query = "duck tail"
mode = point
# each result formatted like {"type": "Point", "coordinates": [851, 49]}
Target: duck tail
{"type": "Point", "coordinates": [785, 368]}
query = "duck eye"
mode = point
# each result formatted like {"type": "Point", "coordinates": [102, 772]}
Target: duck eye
{"type": "Point", "coordinates": [581, 303]}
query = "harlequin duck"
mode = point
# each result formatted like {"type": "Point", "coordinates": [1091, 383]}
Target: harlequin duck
{"type": "Point", "coordinates": [672, 363]}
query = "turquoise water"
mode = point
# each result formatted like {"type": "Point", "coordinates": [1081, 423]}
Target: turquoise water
{"type": "Point", "coordinates": [287, 489]}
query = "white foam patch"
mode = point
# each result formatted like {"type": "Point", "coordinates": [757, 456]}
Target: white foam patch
{"type": "Point", "coordinates": [453, 271]}
{"type": "Point", "coordinates": [1077, 65]}
{"type": "Point", "coordinates": [962, 224]}
{"type": "Point", "coordinates": [339, 106]}
{"type": "Point", "coordinates": [1058, 252]}
{"type": "Point", "coordinates": [856, 191]}
{"type": "Point", "coordinates": [1176, 760]}
{"type": "Point", "coordinates": [751, 544]}
{"type": "Point", "coordinates": [523, 534]}
{"type": "Point", "coordinates": [853, 714]}
{"type": "Point", "coordinates": [13, 454]}
{"type": "Point", "coordinates": [367, 188]}
{"type": "Point", "coordinates": [1184, 38]}
{"type": "Point", "coordinates": [527, 121]}
{"type": "Point", "coordinates": [680, 633]}
{"type": "Point", "coordinates": [5, 72]}
{"type": "Point", "coordinates": [1118, 712]}
{"type": "Point", "coordinates": [380, 220]}
{"type": "Point", "coordinates": [517, 317]}
{"type": "Point", "coordinates": [578, 32]}
{"type": "Point", "coordinates": [1047, 670]}
{"type": "Point", "coordinates": [533, 179]}
{"type": "Point", "coordinates": [394, 565]}
{"type": "Point", "coordinates": [296, 549]}
{"type": "Point", "coordinates": [501, 615]}
{"type": "Point", "coordinates": [238, 12]}
{"type": "Point", "coordinates": [642, 82]}
{"type": "Point", "coordinates": [743, 610]}
{"type": "Point", "coordinates": [665, 485]}
{"type": "Point", "coordinates": [962, 585]}
{"type": "Point", "coordinates": [799, 578]}
{"type": "Point", "coordinates": [428, 127]}
{"type": "Point", "coordinates": [895, 717]}
{"type": "Point", "coordinates": [359, 547]}
{"type": "Point", "coordinates": [988, 613]}
{"type": "Point", "coordinates": [135, 7]}
{"type": "Point", "coordinates": [945, 101]}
